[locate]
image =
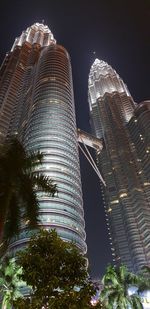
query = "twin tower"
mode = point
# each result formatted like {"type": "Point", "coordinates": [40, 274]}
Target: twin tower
{"type": "Point", "coordinates": [37, 104]}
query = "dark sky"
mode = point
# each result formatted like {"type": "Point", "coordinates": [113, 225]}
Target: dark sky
{"type": "Point", "coordinates": [119, 33]}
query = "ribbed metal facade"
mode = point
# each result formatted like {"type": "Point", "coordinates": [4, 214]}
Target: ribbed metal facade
{"type": "Point", "coordinates": [44, 118]}
{"type": "Point", "coordinates": [125, 201]}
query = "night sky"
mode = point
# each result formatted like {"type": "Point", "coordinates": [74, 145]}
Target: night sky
{"type": "Point", "coordinates": [117, 32]}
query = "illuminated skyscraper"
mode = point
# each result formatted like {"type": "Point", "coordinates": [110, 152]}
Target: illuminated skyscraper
{"type": "Point", "coordinates": [139, 128]}
{"type": "Point", "coordinates": [37, 103]}
{"type": "Point", "coordinates": [126, 200]}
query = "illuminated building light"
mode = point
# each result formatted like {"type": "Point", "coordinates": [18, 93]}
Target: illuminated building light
{"type": "Point", "coordinates": [109, 209]}
{"type": "Point", "coordinates": [123, 195]}
{"type": "Point", "coordinates": [146, 183]}
{"type": "Point", "coordinates": [138, 190]}
{"type": "Point", "coordinates": [27, 222]}
{"type": "Point", "coordinates": [114, 202]}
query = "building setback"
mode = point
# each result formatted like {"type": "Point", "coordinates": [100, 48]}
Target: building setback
{"type": "Point", "coordinates": [127, 192]}
{"type": "Point", "coordinates": [37, 104]}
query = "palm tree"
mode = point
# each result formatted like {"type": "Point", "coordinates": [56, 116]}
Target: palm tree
{"type": "Point", "coordinates": [19, 182]}
{"type": "Point", "coordinates": [115, 293]}
{"type": "Point", "coordinates": [10, 282]}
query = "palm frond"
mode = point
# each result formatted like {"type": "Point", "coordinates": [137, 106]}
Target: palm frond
{"type": "Point", "coordinates": [44, 183]}
{"type": "Point", "coordinates": [110, 277]}
{"type": "Point", "coordinates": [30, 204]}
{"type": "Point", "coordinates": [32, 160]}
{"type": "Point", "coordinates": [121, 273]}
{"type": "Point", "coordinates": [3, 206]}
{"type": "Point", "coordinates": [11, 226]}
{"type": "Point", "coordinates": [115, 289]}
{"type": "Point", "coordinates": [144, 284]}
{"type": "Point", "coordinates": [12, 150]}
{"type": "Point", "coordinates": [19, 183]}
{"type": "Point", "coordinates": [135, 302]}
{"type": "Point", "coordinates": [3, 247]}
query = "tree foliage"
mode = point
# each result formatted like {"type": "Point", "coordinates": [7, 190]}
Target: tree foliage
{"type": "Point", "coordinates": [57, 273]}
{"type": "Point", "coordinates": [10, 282]}
{"type": "Point", "coordinates": [18, 188]}
{"type": "Point", "coordinates": [116, 283]}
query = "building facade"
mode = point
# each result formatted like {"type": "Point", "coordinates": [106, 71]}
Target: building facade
{"type": "Point", "coordinates": [37, 104]}
{"type": "Point", "coordinates": [126, 198]}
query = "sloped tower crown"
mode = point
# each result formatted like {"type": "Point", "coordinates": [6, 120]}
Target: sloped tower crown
{"type": "Point", "coordinates": [35, 34]}
{"type": "Point", "coordinates": [102, 67]}
{"type": "Point", "coordinates": [104, 79]}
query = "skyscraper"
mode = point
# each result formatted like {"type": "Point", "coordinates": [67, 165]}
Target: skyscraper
{"type": "Point", "coordinates": [37, 103]}
{"type": "Point", "coordinates": [126, 200]}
